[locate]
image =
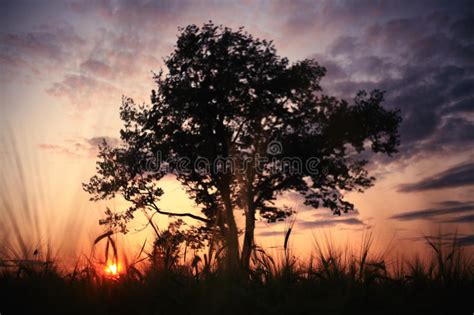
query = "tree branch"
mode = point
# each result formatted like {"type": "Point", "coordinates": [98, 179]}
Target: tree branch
{"type": "Point", "coordinates": [190, 215]}
{"type": "Point", "coordinates": [238, 132]}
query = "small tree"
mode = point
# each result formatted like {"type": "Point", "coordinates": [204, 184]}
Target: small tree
{"type": "Point", "coordinates": [238, 125]}
{"type": "Point", "coordinates": [172, 243]}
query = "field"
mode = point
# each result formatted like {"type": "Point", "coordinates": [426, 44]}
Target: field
{"type": "Point", "coordinates": [333, 281]}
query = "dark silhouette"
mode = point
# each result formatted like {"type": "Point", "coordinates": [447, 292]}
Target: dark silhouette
{"type": "Point", "coordinates": [227, 99]}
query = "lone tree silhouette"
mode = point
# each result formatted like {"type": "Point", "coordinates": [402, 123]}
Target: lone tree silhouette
{"type": "Point", "coordinates": [227, 96]}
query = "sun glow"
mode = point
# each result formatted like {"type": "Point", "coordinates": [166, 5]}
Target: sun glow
{"type": "Point", "coordinates": [112, 269]}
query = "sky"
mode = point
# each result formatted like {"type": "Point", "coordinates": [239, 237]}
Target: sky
{"type": "Point", "coordinates": [65, 66]}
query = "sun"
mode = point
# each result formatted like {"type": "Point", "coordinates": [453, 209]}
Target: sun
{"type": "Point", "coordinates": [112, 269]}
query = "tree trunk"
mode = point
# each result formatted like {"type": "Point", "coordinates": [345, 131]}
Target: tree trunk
{"type": "Point", "coordinates": [248, 237]}
{"type": "Point", "coordinates": [232, 238]}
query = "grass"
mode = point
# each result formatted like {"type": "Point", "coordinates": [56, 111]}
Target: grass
{"type": "Point", "coordinates": [332, 281]}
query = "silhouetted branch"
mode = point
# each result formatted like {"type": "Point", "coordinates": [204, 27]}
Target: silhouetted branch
{"type": "Point", "coordinates": [190, 215]}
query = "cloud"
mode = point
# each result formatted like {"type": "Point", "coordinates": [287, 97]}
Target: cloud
{"type": "Point", "coordinates": [79, 148]}
{"type": "Point", "coordinates": [467, 240]}
{"type": "Point", "coordinates": [272, 233]}
{"type": "Point", "coordinates": [452, 203]}
{"type": "Point", "coordinates": [80, 67]}
{"type": "Point", "coordinates": [149, 15]}
{"type": "Point", "coordinates": [58, 149]}
{"type": "Point", "coordinates": [358, 229]}
{"type": "Point", "coordinates": [329, 223]}
{"type": "Point", "coordinates": [455, 133]}
{"type": "Point", "coordinates": [41, 49]}
{"type": "Point", "coordinates": [83, 91]}
{"type": "Point", "coordinates": [457, 176]}
{"type": "Point", "coordinates": [431, 213]}
{"type": "Point", "coordinates": [96, 141]}
{"type": "Point", "coordinates": [446, 239]}
{"type": "Point", "coordinates": [96, 67]}
{"type": "Point", "coordinates": [463, 219]}
{"type": "Point", "coordinates": [450, 238]}
{"type": "Point", "coordinates": [424, 63]}
{"type": "Point", "coordinates": [423, 60]}
{"type": "Point", "coordinates": [463, 28]}
{"type": "Point", "coordinates": [343, 45]}
{"type": "Point", "coordinates": [115, 62]}
{"type": "Point", "coordinates": [301, 17]}
{"type": "Point", "coordinates": [464, 106]}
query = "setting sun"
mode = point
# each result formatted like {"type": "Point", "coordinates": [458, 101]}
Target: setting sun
{"type": "Point", "coordinates": [112, 269]}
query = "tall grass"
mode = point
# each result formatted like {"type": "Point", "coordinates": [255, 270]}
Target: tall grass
{"type": "Point", "coordinates": [333, 280]}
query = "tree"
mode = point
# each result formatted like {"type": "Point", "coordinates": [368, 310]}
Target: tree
{"type": "Point", "coordinates": [238, 125]}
